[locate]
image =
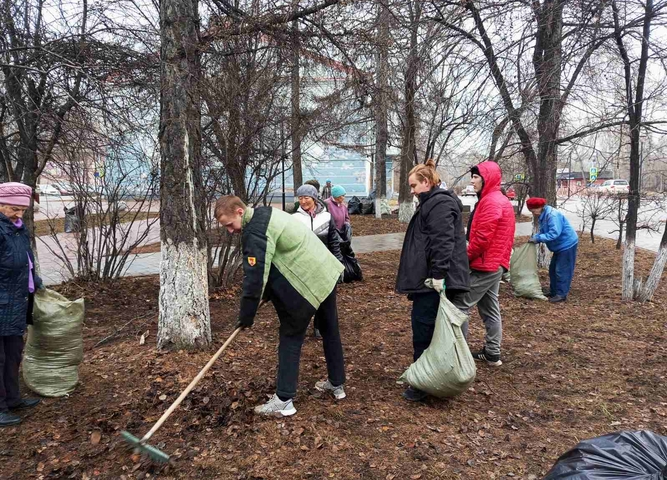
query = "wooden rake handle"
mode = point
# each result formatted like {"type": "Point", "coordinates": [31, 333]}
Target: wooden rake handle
{"type": "Point", "coordinates": [189, 388]}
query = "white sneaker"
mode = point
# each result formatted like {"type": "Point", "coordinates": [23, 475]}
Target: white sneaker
{"type": "Point", "coordinates": [275, 407]}
{"type": "Point", "coordinates": [325, 386]}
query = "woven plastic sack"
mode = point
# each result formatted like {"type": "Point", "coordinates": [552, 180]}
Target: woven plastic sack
{"type": "Point", "coordinates": [523, 272]}
{"type": "Point", "coordinates": [446, 368]}
{"type": "Point", "coordinates": [55, 345]}
{"type": "Point", "coordinates": [640, 455]}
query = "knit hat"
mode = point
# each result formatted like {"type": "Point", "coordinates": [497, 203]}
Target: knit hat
{"type": "Point", "coordinates": [535, 202]}
{"type": "Point", "coordinates": [17, 194]}
{"type": "Point", "coordinates": [337, 191]}
{"type": "Point", "coordinates": [307, 191]}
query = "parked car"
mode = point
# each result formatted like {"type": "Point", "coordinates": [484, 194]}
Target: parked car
{"type": "Point", "coordinates": [469, 190]}
{"type": "Point", "coordinates": [47, 189]}
{"type": "Point", "coordinates": [509, 191]}
{"type": "Point", "coordinates": [615, 186]}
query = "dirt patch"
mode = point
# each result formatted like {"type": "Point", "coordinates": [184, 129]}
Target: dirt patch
{"type": "Point", "coordinates": [572, 371]}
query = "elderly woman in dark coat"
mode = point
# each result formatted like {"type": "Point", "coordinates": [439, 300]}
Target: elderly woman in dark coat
{"type": "Point", "coordinates": [17, 286]}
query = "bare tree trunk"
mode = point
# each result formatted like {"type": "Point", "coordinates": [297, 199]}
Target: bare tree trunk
{"type": "Point", "coordinates": [295, 74]}
{"type": "Point", "coordinates": [409, 146]}
{"type": "Point", "coordinates": [547, 58]}
{"type": "Point", "coordinates": [184, 319]}
{"type": "Point", "coordinates": [653, 280]}
{"type": "Point", "coordinates": [381, 108]}
{"type": "Point", "coordinates": [634, 101]}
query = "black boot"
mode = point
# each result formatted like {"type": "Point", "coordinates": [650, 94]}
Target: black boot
{"type": "Point", "coordinates": [412, 394]}
{"type": "Point", "coordinates": [7, 419]}
{"type": "Point", "coordinates": [26, 403]}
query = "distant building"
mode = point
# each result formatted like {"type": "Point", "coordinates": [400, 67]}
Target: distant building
{"type": "Point", "coordinates": [570, 183]}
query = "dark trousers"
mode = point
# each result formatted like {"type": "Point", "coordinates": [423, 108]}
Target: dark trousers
{"type": "Point", "coordinates": [11, 350]}
{"type": "Point", "coordinates": [561, 271]}
{"type": "Point", "coordinates": [289, 349]}
{"type": "Point", "coordinates": [424, 312]}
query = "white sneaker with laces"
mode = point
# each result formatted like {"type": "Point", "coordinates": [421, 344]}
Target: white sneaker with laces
{"type": "Point", "coordinates": [275, 407]}
{"type": "Point", "coordinates": [326, 386]}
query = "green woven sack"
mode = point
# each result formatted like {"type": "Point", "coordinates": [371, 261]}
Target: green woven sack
{"type": "Point", "coordinates": [523, 272]}
{"type": "Point", "coordinates": [446, 368]}
{"type": "Point", "coordinates": [55, 345]}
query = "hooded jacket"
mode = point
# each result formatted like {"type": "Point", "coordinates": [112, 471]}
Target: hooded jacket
{"type": "Point", "coordinates": [555, 231]}
{"type": "Point", "coordinates": [434, 245]}
{"type": "Point", "coordinates": [491, 233]}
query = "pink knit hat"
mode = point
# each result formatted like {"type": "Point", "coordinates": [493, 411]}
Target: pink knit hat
{"type": "Point", "coordinates": [14, 193]}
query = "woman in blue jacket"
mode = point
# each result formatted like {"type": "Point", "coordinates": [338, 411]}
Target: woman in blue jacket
{"type": "Point", "coordinates": [559, 236]}
{"type": "Point", "coordinates": [18, 283]}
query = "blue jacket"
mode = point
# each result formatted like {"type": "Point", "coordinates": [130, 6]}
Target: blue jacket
{"type": "Point", "coordinates": [555, 230]}
{"type": "Point", "coordinates": [14, 294]}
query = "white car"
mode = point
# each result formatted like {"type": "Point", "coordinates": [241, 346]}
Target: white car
{"type": "Point", "coordinates": [469, 191]}
{"type": "Point", "coordinates": [46, 189]}
{"type": "Point", "coordinates": [615, 186]}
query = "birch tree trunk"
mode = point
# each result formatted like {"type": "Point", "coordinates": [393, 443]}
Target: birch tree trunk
{"type": "Point", "coordinates": [634, 102]}
{"type": "Point", "coordinates": [295, 74]}
{"type": "Point", "coordinates": [653, 280]}
{"type": "Point", "coordinates": [409, 146]}
{"type": "Point", "coordinates": [381, 108]}
{"type": "Point", "coordinates": [184, 319]}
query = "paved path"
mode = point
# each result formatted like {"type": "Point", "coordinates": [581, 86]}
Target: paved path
{"type": "Point", "coordinates": [53, 271]}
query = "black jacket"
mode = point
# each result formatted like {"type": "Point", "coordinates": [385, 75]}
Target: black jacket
{"type": "Point", "coordinates": [434, 245]}
{"type": "Point", "coordinates": [14, 294]}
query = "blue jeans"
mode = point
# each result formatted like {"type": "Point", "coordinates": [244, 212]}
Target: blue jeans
{"type": "Point", "coordinates": [561, 271]}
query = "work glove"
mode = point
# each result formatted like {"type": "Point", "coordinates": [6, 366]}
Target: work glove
{"type": "Point", "coordinates": [533, 240]}
{"type": "Point", "coordinates": [437, 284]}
{"type": "Point", "coordinates": [244, 323]}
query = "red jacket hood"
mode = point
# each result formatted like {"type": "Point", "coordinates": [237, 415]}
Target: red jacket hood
{"type": "Point", "coordinates": [492, 175]}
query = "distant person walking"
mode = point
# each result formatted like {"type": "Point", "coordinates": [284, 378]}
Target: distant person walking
{"type": "Point", "coordinates": [559, 236]}
{"type": "Point", "coordinates": [326, 190]}
{"type": "Point", "coordinates": [490, 241]}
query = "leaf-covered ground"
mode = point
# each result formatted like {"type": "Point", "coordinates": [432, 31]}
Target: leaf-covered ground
{"type": "Point", "coordinates": [571, 371]}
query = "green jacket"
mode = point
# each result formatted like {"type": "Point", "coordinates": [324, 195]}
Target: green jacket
{"type": "Point", "coordinates": [278, 247]}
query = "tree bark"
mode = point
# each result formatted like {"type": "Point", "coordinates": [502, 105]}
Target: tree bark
{"type": "Point", "coordinates": [409, 144]}
{"type": "Point", "coordinates": [381, 108]}
{"type": "Point", "coordinates": [295, 74]}
{"type": "Point", "coordinates": [184, 319]}
{"type": "Point", "coordinates": [653, 280]}
{"type": "Point", "coordinates": [547, 58]}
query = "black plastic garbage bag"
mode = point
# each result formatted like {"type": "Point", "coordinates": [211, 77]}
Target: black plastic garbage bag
{"type": "Point", "coordinates": [367, 206]}
{"type": "Point", "coordinates": [640, 455]}
{"type": "Point", "coordinates": [352, 272]}
{"type": "Point", "coordinates": [354, 206]}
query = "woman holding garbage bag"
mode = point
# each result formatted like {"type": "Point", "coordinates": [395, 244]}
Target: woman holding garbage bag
{"type": "Point", "coordinates": [18, 283]}
{"type": "Point", "coordinates": [559, 236]}
{"type": "Point", "coordinates": [314, 215]}
{"type": "Point", "coordinates": [434, 248]}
